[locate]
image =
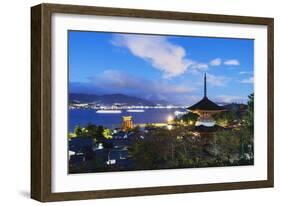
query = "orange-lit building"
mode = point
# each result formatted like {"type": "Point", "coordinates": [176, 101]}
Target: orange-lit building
{"type": "Point", "coordinates": [127, 123]}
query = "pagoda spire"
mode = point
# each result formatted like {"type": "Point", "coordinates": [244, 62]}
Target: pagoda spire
{"type": "Point", "coordinates": [205, 85]}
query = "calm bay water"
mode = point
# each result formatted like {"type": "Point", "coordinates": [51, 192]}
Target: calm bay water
{"type": "Point", "coordinates": [85, 116]}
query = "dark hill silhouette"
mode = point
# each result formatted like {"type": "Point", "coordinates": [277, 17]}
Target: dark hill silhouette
{"type": "Point", "coordinates": [109, 99]}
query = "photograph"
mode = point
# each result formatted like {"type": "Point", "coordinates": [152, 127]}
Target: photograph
{"type": "Point", "coordinates": [152, 102]}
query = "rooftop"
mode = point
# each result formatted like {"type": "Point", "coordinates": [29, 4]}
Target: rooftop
{"type": "Point", "coordinates": [205, 103]}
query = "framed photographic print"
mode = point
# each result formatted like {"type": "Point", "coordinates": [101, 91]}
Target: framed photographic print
{"type": "Point", "coordinates": [132, 102]}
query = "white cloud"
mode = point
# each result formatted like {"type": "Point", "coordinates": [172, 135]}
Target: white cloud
{"type": "Point", "coordinates": [199, 66]}
{"type": "Point", "coordinates": [217, 80]}
{"type": "Point", "coordinates": [216, 62]}
{"type": "Point", "coordinates": [162, 54]}
{"type": "Point", "coordinates": [190, 99]}
{"type": "Point", "coordinates": [231, 99]}
{"type": "Point", "coordinates": [232, 62]}
{"type": "Point", "coordinates": [245, 72]}
{"type": "Point", "coordinates": [249, 80]}
{"type": "Point", "coordinates": [117, 80]}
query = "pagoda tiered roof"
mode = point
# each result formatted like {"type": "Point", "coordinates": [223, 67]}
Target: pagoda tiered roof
{"type": "Point", "coordinates": [205, 104]}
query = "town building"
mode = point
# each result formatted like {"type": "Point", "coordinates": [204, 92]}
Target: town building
{"type": "Point", "coordinates": [127, 123]}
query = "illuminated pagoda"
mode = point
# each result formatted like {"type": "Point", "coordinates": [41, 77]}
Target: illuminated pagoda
{"type": "Point", "coordinates": [205, 108]}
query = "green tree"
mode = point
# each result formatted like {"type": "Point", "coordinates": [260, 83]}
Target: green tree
{"type": "Point", "coordinates": [163, 148]}
{"type": "Point", "coordinates": [91, 130]}
{"type": "Point", "coordinates": [136, 129]}
{"type": "Point", "coordinates": [107, 133]}
{"type": "Point", "coordinates": [227, 143]}
{"type": "Point", "coordinates": [225, 118]}
{"type": "Point", "coordinates": [247, 139]}
{"type": "Point", "coordinates": [78, 130]}
{"type": "Point", "coordinates": [99, 135]}
{"type": "Point", "coordinates": [249, 117]}
{"type": "Point", "coordinates": [190, 118]}
{"type": "Point", "coordinates": [156, 151]}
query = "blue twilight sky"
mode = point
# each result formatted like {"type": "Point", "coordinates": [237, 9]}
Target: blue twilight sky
{"type": "Point", "coordinates": [158, 67]}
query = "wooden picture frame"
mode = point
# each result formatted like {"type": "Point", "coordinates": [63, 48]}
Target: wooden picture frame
{"type": "Point", "coordinates": [41, 97]}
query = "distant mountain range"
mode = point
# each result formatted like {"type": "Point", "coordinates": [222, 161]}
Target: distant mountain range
{"type": "Point", "coordinates": [235, 107]}
{"type": "Point", "coordinates": [110, 99]}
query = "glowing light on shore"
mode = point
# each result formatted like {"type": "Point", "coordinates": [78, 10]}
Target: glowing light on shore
{"type": "Point", "coordinates": [170, 118]}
